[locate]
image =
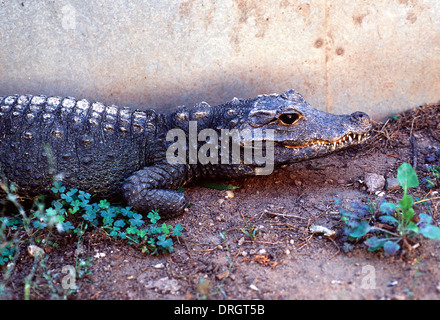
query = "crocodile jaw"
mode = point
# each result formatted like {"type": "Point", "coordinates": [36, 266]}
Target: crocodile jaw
{"type": "Point", "coordinates": [346, 141]}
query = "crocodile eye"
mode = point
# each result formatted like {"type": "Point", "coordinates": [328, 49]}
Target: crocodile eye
{"type": "Point", "coordinates": [289, 119]}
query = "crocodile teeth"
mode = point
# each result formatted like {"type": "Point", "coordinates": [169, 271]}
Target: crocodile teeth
{"type": "Point", "coordinates": [338, 143]}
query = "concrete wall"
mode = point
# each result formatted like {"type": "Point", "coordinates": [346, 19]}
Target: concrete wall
{"type": "Point", "coordinates": [381, 57]}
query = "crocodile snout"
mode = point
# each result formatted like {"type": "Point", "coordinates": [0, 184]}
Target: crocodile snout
{"type": "Point", "coordinates": [360, 117]}
{"type": "Point", "coordinates": [361, 120]}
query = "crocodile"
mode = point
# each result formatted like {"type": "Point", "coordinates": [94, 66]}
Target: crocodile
{"type": "Point", "coordinates": [119, 153]}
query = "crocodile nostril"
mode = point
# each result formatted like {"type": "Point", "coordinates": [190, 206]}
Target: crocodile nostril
{"type": "Point", "coordinates": [360, 117]}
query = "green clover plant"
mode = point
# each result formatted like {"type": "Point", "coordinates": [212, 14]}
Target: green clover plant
{"type": "Point", "coordinates": [73, 205]}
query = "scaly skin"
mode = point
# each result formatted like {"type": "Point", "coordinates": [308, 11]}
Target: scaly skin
{"type": "Point", "coordinates": [112, 151]}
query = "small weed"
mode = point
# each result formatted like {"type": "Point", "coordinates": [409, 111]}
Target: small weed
{"type": "Point", "coordinates": [432, 168]}
{"type": "Point", "coordinates": [217, 186]}
{"type": "Point", "coordinates": [250, 229]}
{"type": "Point", "coordinates": [395, 225]}
{"type": "Point", "coordinates": [432, 180]}
{"type": "Point", "coordinates": [204, 289]}
{"type": "Point", "coordinates": [73, 212]}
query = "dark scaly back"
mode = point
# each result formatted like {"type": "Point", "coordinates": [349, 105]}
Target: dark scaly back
{"type": "Point", "coordinates": [229, 115]}
{"type": "Point", "coordinates": [88, 146]}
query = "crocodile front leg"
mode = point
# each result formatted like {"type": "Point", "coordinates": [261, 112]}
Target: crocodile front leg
{"type": "Point", "coordinates": [155, 187]}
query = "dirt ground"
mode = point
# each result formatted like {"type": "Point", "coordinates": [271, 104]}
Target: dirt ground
{"type": "Point", "coordinates": [215, 259]}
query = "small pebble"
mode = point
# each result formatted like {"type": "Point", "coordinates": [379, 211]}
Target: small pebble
{"type": "Point", "coordinates": [393, 283]}
{"type": "Point", "coordinates": [254, 287]}
{"type": "Point", "coordinates": [99, 255]}
{"type": "Point", "coordinates": [35, 251]}
{"type": "Point", "coordinates": [393, 184]}
{"type": "Point", "coordinates": [374, 182]}
{"type": "Point", "coordinates": [321, 229]}
{"type": "Point", "coordinates": [222, 275]}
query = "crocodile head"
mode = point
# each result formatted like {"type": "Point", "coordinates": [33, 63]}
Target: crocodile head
{"type": "Point", "coordinates": [301, 132]}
